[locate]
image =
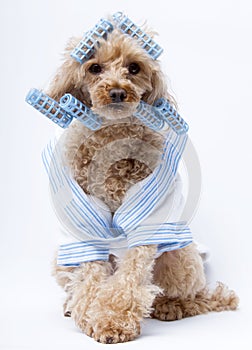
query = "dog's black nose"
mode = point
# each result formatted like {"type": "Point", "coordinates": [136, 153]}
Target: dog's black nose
{"type": "Point", "coordinates": [117, 95]}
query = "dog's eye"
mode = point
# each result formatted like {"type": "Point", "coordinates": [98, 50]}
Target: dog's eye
{"type": "Point", "coordinates": [95, 68]}
{"type": "Point", "coordinates": [134, 68]}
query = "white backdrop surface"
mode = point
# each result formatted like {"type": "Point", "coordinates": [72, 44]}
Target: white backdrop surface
{"type": "Point", "coordinates": [207, 59]}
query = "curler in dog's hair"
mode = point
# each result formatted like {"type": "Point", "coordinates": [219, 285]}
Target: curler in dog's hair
{"type": "Point", "coordinates": [86, 47]}
{"type": "Point", "coordinates": [131, 29]}
{"type": "Point", "coordinates": [171, 116]}
{"type": "Point", "coordinates": [49, 107]}
{"type": "Point", "coordinates": [80, 111]}
{"type": "Point", "coordinates": [63, 113]}
{"type": "Point", "coordinates": [149, 116]}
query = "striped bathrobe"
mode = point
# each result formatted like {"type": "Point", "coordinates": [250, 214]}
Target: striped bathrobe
{"type": "Point", "coordinates": [150, 213]}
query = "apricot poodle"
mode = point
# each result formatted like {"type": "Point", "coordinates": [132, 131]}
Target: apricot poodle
{"type": "Point", "coordinates": [109, 299]}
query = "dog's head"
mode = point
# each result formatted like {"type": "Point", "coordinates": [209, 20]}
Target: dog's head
{"type": "Point", "coordinates": [120, 71]}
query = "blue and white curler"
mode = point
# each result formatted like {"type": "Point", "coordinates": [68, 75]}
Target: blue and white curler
{"type": "Point", "coordinates": [131, 29]}
{"type": "Point", "coordinates": [149, 116]}
{"type": "Point", "coordinates": [49, 107]}
{"type": "Point", "coordinates": [63, 113]}
{"type": "Point", "coordinates": [171, 116]}
{"type": "Point", "coordinates": [161, 113]}
{"type": "Point", "coordinates": [86, 47]}
{"type": "Point", "coordinates": [80, 111]}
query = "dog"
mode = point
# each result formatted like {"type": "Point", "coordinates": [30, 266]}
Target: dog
{"type": "Point", "coordinates": [108, 299]}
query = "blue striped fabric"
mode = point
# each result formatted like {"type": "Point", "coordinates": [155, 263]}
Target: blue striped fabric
{"type": "Point", "coordinates": [154, 187]}
{"type": "Point", "coordinates": [145, 217]}
{"type": "Point", "coordinates": [73, 253]}
{"type": "Point", "coordinates": [160, 233]}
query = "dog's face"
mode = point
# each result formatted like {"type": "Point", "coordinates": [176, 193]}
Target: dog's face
{"type": "Point", "coordinates": [119, 72]}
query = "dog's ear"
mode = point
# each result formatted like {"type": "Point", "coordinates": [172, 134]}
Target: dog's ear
{"type": "Point", "coordinates": [159, 88]}
{"type": "Point", "coordinates": [69, 76]}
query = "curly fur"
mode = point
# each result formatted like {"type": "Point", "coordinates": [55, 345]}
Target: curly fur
{"type": "Point", "coordinates": [108, 300]}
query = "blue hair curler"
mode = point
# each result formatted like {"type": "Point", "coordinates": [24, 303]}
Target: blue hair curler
{"type": "Point", "coordinates": [171, 116]}
{"type": "Point", "coordinates": [131, 29]}
{"type": "Point", "coordinates": [63, 113]}
{"type": "Point", "coordinates": [149, 116]}
{"type": "Point", "coordinates": [86, 47]}
{"type": "Point", "coordinates": [49, 107]}
{"type": "Point", "coordinates": [81, 112]}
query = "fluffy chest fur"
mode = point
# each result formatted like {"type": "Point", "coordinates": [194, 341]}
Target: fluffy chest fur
{"type": "Point", "coordinates": [106, 163]}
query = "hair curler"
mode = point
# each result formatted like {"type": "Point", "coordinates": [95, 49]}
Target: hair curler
{"type": "Point", "coordinates": [80, 111]}
{"type": "Point", "coordinates": [86, 47]}
{"type": "Point", "coordinates": [49, 107]}
{"type": "Point", "coordinates": [171, 116]}
{"type": "Point", "coordinates": [63, 113]}
{"type": "Point", "coordinates": [144, 39]}
{"type": "Point", "coordinates": [149, 116]}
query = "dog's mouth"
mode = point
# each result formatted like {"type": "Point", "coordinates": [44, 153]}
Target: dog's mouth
{"type": "Point", "coordinates": [116, 110]}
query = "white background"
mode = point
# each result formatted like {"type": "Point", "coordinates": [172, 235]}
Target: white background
{"type": "Point", "coordinates": [207, 60]}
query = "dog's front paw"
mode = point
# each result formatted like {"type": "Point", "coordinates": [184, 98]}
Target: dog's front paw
{"type": "Point", "coordinates": [116, 332]}
{"type": "Point", "coordinates": [115, 319]}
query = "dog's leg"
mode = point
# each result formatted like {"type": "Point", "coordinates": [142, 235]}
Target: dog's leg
{"type": "Point", "coordinates": [81, 285]}
{"type": "Point", "coordinates": [181, 275]}
{"type": "Point", "coordinates": [89, 281]}
{"type": "Point", "coordinates": [125, 298]}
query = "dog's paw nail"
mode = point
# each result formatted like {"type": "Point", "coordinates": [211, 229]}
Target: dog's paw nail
{"type": "Point", "coordinates": [109, 340]}
{"type": "Point", "coordinates": [67, 314]}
